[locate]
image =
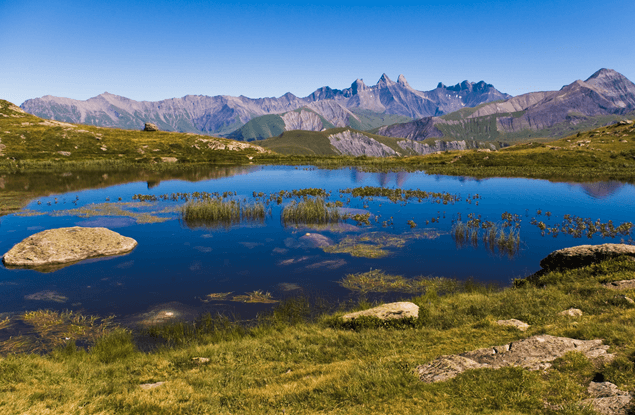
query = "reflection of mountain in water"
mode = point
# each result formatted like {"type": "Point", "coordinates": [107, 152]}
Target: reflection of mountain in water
{"type": "Point", "coordinates": [600, 190]}
{"type": "Point", "coordinates": [24, 187]}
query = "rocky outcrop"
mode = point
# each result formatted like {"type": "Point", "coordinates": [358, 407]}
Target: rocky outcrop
{"type": "Point", "coordinates": [418, 130]}
{"type": "Point", "coordinates": [387, 312]}
{"type": "Point", "coordinates": [302, 120]}
{"type": "Point", "coordinates": [533, 353]}
{"type": "Point", "coordinates": [150, 127]}
{"type": "Point", "coordinates": [67, 245]}
{"type": "Point", "coordinates": [607, 399]}
{"type": "Point", "coordinates": [583, 255]}
{"type": "Point", "coordinates": [356, 144]}
{"type": "Point", "coordinates": [439, 145]}
{"type": "Point", "coordinates": [572, 312]}
{"type": "Point", "coordinates": [333, 112]}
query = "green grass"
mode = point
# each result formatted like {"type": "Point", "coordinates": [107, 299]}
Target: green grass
{"type": "Point", "coordinates": [216, 212]}
{"type": "Point", "coordinates": [288, 361]}
{"type": "Point", "coordinates": [311, 211]}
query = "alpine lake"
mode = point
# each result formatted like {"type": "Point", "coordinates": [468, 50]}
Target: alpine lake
{"type": "Point", "coordinates": [385, 237]}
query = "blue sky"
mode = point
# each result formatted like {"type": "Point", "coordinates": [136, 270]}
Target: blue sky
{"type": "Point", "coordinates": [153, 50]}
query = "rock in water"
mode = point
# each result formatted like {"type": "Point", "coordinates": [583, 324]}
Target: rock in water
{"type": "Point", "coordinates": [579, 256]}
{"type": "Point", "coordinates": [150, 127]}
{"type": "Point", "coordinates": [387, 311]}
{"type": "Point", "coordinates": [67, 245]}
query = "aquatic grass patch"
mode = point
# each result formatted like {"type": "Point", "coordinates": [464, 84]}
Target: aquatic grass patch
{"type": "Point", "coordinates": [215, 213]}
{"type": "Point", "coordinates": [496, 238]}
{"type": "Point", "coordinates": [47, 329]}
{"type": "Point", "coordinates": [374, 244]}
{"type": "Point", "coordinates": [256, 296]}
{"type": "Point", "coordinates": [216, 297]}
{"type": "Point", "coordinates": [377, 281]}
{"type": "Point", "coordinates": [310, 211]}
{"type": "Point", "coordinates": [114, 209]}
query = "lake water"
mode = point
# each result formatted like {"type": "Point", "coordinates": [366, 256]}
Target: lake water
{"type": "Point", "coordinates": [175, 267]}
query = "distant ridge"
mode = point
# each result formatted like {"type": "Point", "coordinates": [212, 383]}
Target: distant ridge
{"type": "Point", "coordinates": [221, 115]}
{"type": "Point", "coordinates": [603, 98]}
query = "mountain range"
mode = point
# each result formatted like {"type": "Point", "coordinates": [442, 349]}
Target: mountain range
{"type": "Point", "coordinates": [603, 98]}
{"type": "Point", "coordinates": [359, 106]}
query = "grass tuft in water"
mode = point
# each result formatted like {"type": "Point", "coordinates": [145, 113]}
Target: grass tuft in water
{"type": "Point", "coordinates": [216, 212]}
{"type": "Point", "coordinates": [310, 211]}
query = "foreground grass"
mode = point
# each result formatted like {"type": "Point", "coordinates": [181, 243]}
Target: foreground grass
{"type": "Point", "coordinates": [294, 364]}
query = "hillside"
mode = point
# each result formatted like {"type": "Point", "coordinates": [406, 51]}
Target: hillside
{"type": "Point", "coordinates": [24, 137]}
{"type": "Point", "coordinates": [221, 115]}
{"type": "Point", "coordinates": [604, 98]}
{"type": "Point", "coordinates": [350, 142]}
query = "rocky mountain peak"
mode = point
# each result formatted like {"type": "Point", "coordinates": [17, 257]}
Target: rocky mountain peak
{"type": "Point", "coordinates": [440, 85]}
{"type": "Point", "coordinates": [358, 86]}
{"type": "Point", "coordinates": [402, 81]}
{"type": "Point", "coordinates": [384, 81]}
{"type": "Point", "coordinates": [605, 73]}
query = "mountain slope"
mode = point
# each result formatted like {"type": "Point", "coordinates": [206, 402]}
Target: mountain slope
{"type": "Point", "coordinates": [225, 114]}
{"type": "Point", "coordinates": [605, 97]}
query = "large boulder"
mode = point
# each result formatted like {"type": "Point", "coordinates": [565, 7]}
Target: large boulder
{"type": "Point", "coordinates": [533, 353]}
{"type": "Point", "coordinates": [150, 127]}
{"type": "Point", "coordinates": [67, 245]}
{"type": "Point", "coordinates": [579, 256]}
{"type": "Point", "coordinates": [387, 311]}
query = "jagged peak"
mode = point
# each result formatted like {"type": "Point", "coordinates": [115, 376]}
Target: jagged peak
{"type": "Point", "coordinates": [358, 85]}
{"type": "Point", "coordinates": [401, 80]}
{"type": "Point", "coordinates": [441, 85]}
{"type": "Point", "coordinates": [384, 80]}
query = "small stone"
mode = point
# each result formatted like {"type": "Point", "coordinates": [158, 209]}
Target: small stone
{"type": "Point", "coordinates": [572, 312]}
{"type": "Point", "coordinates": [387, 311]}
{"type": "Point", "coordinates": [520, 325]}
{"type": "Point", "coordinates": [150, 127]}
{"type": "Point", "coordinates": [168, 159]}
{"type": "Point", "coordinates": [147, 386]}
{"type": "Point", "coordinates": [64, 153]}
{"type": "Point", "coordinates": [200, 360]}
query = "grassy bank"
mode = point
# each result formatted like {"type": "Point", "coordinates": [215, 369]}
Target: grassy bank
{"type": "Point", "coordinates": [290, 362]}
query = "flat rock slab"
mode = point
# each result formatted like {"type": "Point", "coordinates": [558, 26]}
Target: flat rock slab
{"type": "Point", "coordinates": [607, 399]}
{"type": "Point", "coordinates": [67, 245]}
{"type": "Point", "coordinates": [621, 285]}
{"type": "Point", "coordinates": [533, 353]}
{"type": "Point", "coordinates": [387, 311]}
{"type": "Point", "coordinates": [583, 255]}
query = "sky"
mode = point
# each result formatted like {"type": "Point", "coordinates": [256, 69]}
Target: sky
{"type": "Point", "coordinates": [154, 50]}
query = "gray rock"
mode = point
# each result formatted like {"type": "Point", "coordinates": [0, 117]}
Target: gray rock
{"type": "Point", "coordinates": [572, 312]}
{"type": "Point", "coordinates": [355, 144]}
{"type": "Point", "coordinates": [621, 285]}
{"type": "Point", "coordinates": [67, 245]}
{"type": "Point", "coordinates": [146, 386]}
{"type": "Point", "coordinates": [582, 255]}
{"type": "Point", "coordinates": [533, 353]}
{"type": "Point", "coordinates": [387, 311]}
{"type": "Point", "coordinates": [607, 399]}
{"type": "Point", "coordinates": [520, 325]}
{"type": "Point", "coordinates": [150, 127]}
{"type": "Point", "coordinates": [315, 240]}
